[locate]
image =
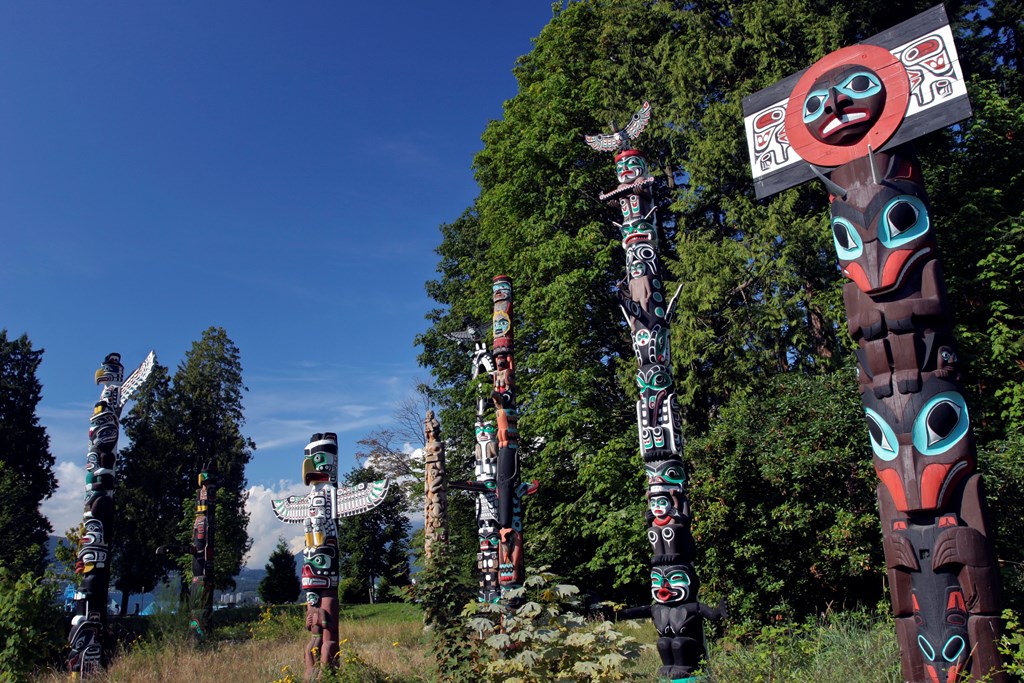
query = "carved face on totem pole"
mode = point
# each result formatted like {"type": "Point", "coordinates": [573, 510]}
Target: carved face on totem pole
{"type": "Point", "coordinates": [103, 426]}
{"type": "Point", "coordinates": [92, 552]}
{"type": "Point", "coordinates": [849, 100]}
{"type": "Point", "coordinates": [656, 413]}
{"type": "Point", "coordinates": [637, 232]}
{"type": "Point", "coordinates": [320, 464]}
{"type": "Point", "coordinates": [922, 453]}
{"type": "Point", "coordinates": [630, 166]}
{"type": "Point", "coordinates": [666, 478]}
{"type": "Point", "coordinates": [111, 370]}
{"type": "Point", "coordinates": [942, 634]}
{"type": "Point", "coordinates": [673, 584]}
{"type": "Point", "coordinates": [488, 535]}
{"type": "Point", "coordinates": [843, 104]}
{"type": "Point", "coordinates": [887, 238]}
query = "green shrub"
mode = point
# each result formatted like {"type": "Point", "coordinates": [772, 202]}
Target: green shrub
{"type": "Point", "coordinates": [547, 640]}
{"type": "Point", "coordinates": [30, 625]}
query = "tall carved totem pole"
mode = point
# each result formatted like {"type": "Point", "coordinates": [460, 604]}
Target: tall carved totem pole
{"type": "Point", "coordinates": [853, 114]}
{"type": "Point", "coordinates": [499, 486]}
{"type": "Point", "coordinates": [435, 486]}
{"type": "Point", "coordinates": [202, 554]}
{"type": "Point", "coordinates": [319, 511]}
{"type": "Point", "coordinates": [676, 612]}
{"type": "Point", "coordinates": [200, 593]}
{"type": "Point", "coordinates": [87, 654]}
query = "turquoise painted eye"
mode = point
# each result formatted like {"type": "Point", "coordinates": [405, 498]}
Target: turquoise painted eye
{"type": "Point", "coordinates": [656, 580]}
{"type": "Point", "coordinates": [926, 648]}
{"type": "Point", "coordinates": [904, 219]}
{"type": "Point", "coordinates": [814, 104]}
{"type": "Point", "coordinates": [861, 84]}
{"type": "Point", "coordinates": [883, 438]}
{"type": "Point", "coordinates": [953, 648]}
{"type": "Point", "coordinates": [942, 422]}
{"type": "Point", "coordinates": [847, 240]}
{"type": "Point", "coordinates": [678, 579]}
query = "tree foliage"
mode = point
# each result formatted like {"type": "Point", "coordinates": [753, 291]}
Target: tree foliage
{"type": "Point", "coordinates": [179, 426]}
{"type": "Point", "coordinates": [30, 625]}
{"type": "Point", "coordinates": [373, 546]}
{"type": "Point", "coordinates": [761, 293]}
{"type": "Point", "coordinates": [26, 465]}
{"type": "Point", "coordinates": [281, 584]}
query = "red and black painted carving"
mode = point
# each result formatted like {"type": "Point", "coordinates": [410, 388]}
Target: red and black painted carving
{"type": "Point", "coordinates": [498, 483]}
{"type": "Point", "coordinates": [853, 113]}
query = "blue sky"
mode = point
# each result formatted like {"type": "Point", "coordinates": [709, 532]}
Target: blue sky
{"type": "Point", "coordinates": [276, 169]}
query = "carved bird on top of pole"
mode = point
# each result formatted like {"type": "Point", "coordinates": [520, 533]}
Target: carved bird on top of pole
{"type": "Point", "coordinates": [620, 139]}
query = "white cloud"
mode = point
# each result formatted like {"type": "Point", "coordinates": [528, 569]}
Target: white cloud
{"type": "Point", "coordinates": [265, 528]}
{"type": "Point", "coordinates": [64, 508]}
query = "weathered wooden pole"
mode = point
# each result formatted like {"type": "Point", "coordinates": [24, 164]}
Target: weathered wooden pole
{"type": "Point", "coordinates": [435, 486]}
{"type": "Point", "coordinates": [852, 116]}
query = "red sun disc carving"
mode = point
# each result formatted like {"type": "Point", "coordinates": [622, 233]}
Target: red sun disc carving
{"type": "Point", "coordinates": [897, 96]}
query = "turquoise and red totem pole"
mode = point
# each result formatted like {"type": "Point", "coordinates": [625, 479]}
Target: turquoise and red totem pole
{"type": "Point", "coordinates": [87, 654]}
{"type": "Point", "coordinates": [499, 486]}
{"type": "Point", "coordinates": [849, 120]}
{"type": "Point", "coordinates": [319, 511]}
{"type": "Point", "coordinates": [676, 612]}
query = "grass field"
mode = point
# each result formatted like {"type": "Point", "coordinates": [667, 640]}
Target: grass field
{"type": "Point", "coordinates": [386, 643]}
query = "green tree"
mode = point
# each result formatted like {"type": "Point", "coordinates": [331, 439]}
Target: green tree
{"type": "Point", "coordinates": [783, 493]}
{"type": "Point", "coordinates": [26, 465]}
{"type": "Point", "coordinates": [281, 584]}
{"type": "Point", "coordinates": [205, 403]}
{"type": "Point", "coordinates": [177, 426]}
{"type": "Point", "coordinates": [30, 625]}
{"type": "Point", "coordinates": [152, 482]}
{"type": "Point", "coordinates": [374, 546]}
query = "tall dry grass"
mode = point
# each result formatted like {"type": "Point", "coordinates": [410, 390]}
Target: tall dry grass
{"type": "Point", "coordinates": [387, 637]}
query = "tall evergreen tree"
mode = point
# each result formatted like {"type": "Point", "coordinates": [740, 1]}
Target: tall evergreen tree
{"type": "Point", "coordinates": [177, 427]}
{"type": "Point", "coordinates": [153, 481]}
{"type": "Point", "coordinates": [26, 465]}
{"type": "Point", "coordinates": [281, 584]}
{"type": "Point", "coordinates": [205, 403]}
{"type": "Point", "coordinates": [373, 546]}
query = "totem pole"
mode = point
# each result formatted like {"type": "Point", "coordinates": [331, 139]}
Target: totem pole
{"type": "Point", "coordinates": [435, 488]}
{"type": "Point", "coordinates": [86, 641]}
{"type": "Point", "coordinates": [677, 614]}
{"type": "Point", "coordinates": [201, 549]}
{"type": "Point", "coordinates": [853, 114]}
{"type": "Point", "coordinates": [498, 479]}
{"type": "Point", "coordinates": [320, 511]}
{"type": "Point", "coordinates": [202, 555]}
{"type": "Point", "coordinates": [486, 472]}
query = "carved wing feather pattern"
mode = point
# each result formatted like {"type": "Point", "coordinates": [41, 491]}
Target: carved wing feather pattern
{"type": "Point", "coordinates": [639, 121]}
{"type": "Point", "coordinates": [604, 143]}
{"type": "Point", "coordinates": [293, 509]}
{"type": "Point", "coordinates": [355, 500]}
{"type": "Point", "coordinates": [620, 139]}
{"type": "Point", "coordinates": [135, 380]}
